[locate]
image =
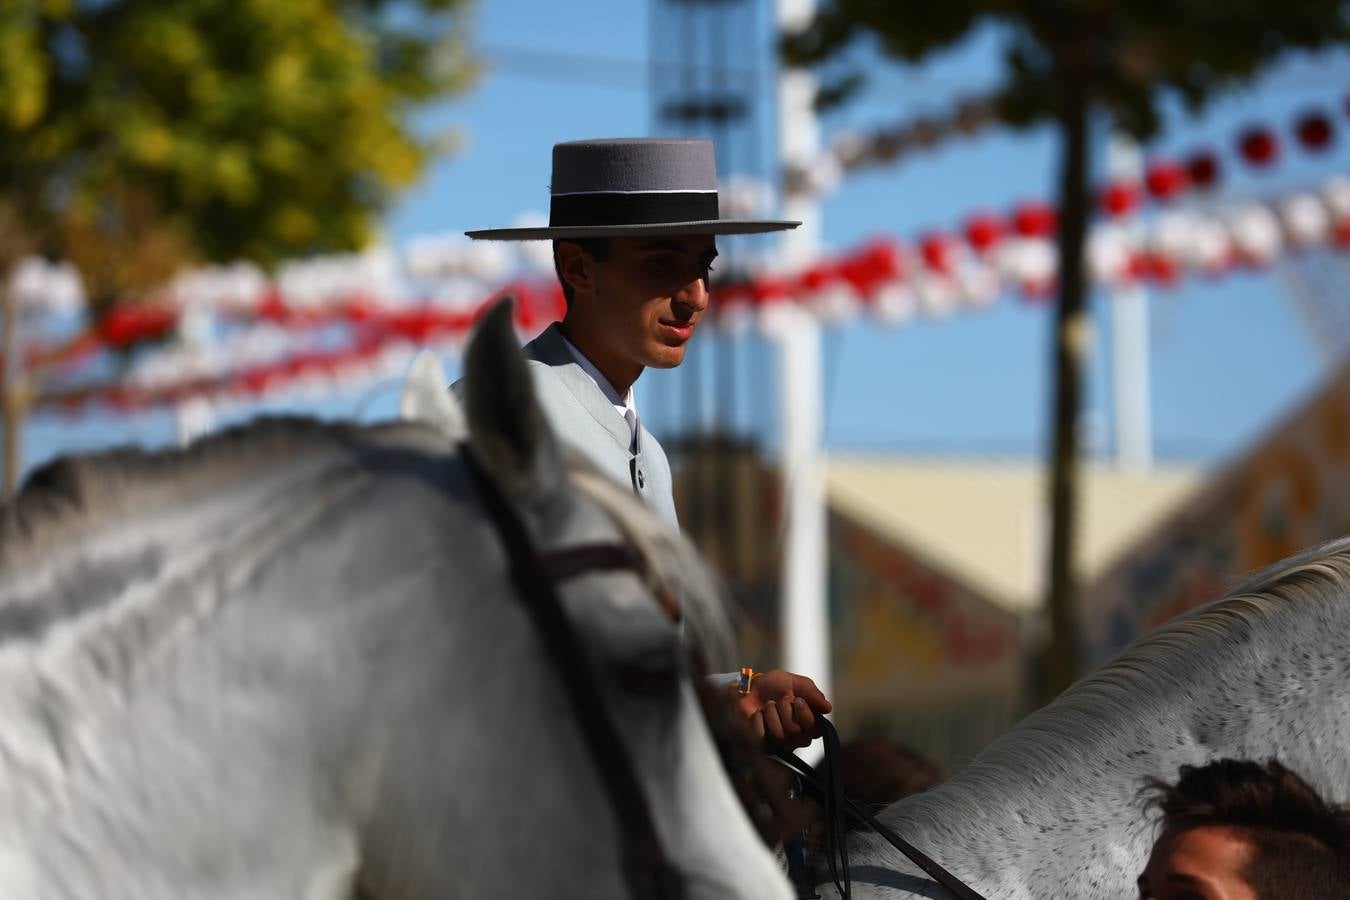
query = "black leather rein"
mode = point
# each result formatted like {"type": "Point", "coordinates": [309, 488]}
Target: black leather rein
{"type": "Point", "coordinates": [536, 575]}
{"type": "Point", "coordinates": [838, 807]}
{"type": "Point", "coordinates": [649, 873]}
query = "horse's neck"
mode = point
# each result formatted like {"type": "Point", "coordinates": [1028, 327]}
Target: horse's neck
{"type": "Point", "coordinates": [177, 655]}
{"type": "Point", "coordinates": [1013, 823]}
{"type": "Point", "coordinates": [127, 579]}
{"type": "Point", "coordinates": [1055, 804]}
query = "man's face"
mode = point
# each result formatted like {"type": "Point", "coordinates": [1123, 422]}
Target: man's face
{"type": "Point", "coordinates": [1202, 863]}
{"type": "Point", "coordinates": [650, 295]}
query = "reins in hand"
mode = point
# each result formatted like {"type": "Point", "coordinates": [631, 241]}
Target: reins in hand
{"type": "Point", "coordinates": [829, 793]}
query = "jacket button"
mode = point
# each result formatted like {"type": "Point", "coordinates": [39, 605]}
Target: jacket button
{"type": "Point", "coordinates": [642, 481]}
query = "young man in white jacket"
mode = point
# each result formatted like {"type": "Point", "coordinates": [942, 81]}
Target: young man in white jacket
{"type": "Point", "coordinates": [634, 225]}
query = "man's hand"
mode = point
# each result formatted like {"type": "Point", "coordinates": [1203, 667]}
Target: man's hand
{"type": "Point", "coordinates": [784, 706]}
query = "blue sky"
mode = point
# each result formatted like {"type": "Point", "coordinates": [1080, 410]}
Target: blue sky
{"type": "Point", "coordinates": [1226, 357]}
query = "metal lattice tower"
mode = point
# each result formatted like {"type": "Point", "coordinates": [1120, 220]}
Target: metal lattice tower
{"type": "Point", "coordinates": [1318, 284]}
{"type": "Point", "coordinates": [709, 62]}
{"type": "Point", "coordinates": [706, 73]}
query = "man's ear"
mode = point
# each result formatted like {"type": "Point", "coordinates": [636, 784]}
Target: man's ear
{"type": "Point", "coordinates": [576, 266]}
{"type": "Point", "coordinates": [506, 424]}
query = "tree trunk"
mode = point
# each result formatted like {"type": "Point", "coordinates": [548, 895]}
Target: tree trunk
{"type": "Point", "coordinates": [1059, 666]}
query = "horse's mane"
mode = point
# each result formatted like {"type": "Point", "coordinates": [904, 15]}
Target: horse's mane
{"type": "Point", "coordinates": [72, 495]}
{"type": "Point", "coordinates": [1145, 691]}
{"type": "Point", "coordinates": [674, 563]}
{"type": "Point", "coordinates": [1236, 628]}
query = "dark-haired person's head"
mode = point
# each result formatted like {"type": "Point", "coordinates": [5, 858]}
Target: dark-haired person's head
{"type": "Point", "coordinates": [634, 224]}
{"type": "Point", "coordinates": [634, 302]}
{"type": "Point", "coordinates": [1243, 830]}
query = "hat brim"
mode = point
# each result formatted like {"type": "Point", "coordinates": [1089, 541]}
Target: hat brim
{"type": "Point", "coordinates": [659, 229]}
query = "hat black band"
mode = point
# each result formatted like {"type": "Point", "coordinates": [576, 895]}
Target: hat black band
{"type": "Point", "coordinates": [663, 208]}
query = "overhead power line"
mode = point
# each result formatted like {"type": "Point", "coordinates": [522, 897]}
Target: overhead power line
{"type": "Point", "coordinates": [629, 73]}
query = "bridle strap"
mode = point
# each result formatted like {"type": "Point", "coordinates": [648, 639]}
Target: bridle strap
{"type": "Point", "coordinates": [836, 805]}
{"type": "Point", "coordinates": [562, 564]}
{"type": "Point", "coordinates": [649, 872]}
{"type": "Point", "coordinates": [836, 823]}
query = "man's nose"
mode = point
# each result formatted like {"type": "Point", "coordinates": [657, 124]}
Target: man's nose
{"type": "Point", "coordinates": [694, 295]}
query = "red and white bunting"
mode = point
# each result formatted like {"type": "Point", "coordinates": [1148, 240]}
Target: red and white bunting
{"type": "Point", "coordinates": [1259, 146]}
{"type": "Point", "coordinates": [281, 338]}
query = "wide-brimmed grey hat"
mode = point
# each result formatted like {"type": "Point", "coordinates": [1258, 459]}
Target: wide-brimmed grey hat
{"type": "Point", "coordinates": [633, 187]}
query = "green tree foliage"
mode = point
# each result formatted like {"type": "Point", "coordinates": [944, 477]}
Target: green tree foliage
{"type": "Point", "coordinates": [137, 136]}
{"type": "Point", "coordinates": [141, 136]}
{"type": "Point", "coordinates": [1127, 54]}
{"type": "Point", "coordinates": [1066, 61]}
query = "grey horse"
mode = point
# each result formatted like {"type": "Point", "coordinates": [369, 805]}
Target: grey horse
{"type": "Point", "coordinates": [1051, 810]}
{"type": "Point", "coordinates": [287, 663]}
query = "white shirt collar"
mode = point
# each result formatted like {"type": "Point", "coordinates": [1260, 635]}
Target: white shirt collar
{"type": "Point", "coordinates": [625, 406]}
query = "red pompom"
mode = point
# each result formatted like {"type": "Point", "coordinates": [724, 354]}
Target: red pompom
{"type": "Point", "coordinates": [1314, 131]}
{"type": "Point", "coordinates": [817, 277]}
{"type": "Point", "coordinates": [738, 293]}
{"type": "Point", "coordinates": [770, 290]}
{"type": "Point", "coordinates": [936, 250]}
{"type": "Point", "coordinates": [1035, 220]}
{"type": "Point", "coordinates": [1203, 169]}
{"type": "Point", "coordinates": [1258, 146]}
{"type": "Point", "coordinates": [127, 324]}
{"type": "Point", "coordinates": [1120, 198]}
{"type": "Point", "coordinates": [884, 260]}
{"type": "Point", "coordinates": [1341, 234]}
{"type": "Point", "coordinates": [878, 262]}
{"type": "Point", "coordinates": [1162, 270]}
{"type": "Point", "coordinates": [984, 231]}
{"type": "Point", "coordinates": [1166, 179]}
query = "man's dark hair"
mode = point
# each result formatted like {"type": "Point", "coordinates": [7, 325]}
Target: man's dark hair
{"type": "Point", "coordinates": [1301, 843]}
{"type": "Point", "coordinates": [598, 248]}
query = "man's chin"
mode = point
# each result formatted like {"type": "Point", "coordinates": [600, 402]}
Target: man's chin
{"type": "Point", "coordinates": [665, 357]}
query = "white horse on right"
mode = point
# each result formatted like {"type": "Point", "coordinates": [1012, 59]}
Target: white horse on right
{"type": "Point", "coordinates": [1052, 808]}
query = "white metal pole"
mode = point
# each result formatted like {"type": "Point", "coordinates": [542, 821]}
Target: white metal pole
{"type": "Point", "coordinates": [192, 419]}
{"type": "Point", "coordinates": [805, 622]}
{"type": "Point", "coordinates": [1130, 350]}
{"type": "Point", "coordinates": [1134, 425]}
{"type": "Point", "coordinates": [804, 614]}
{"type": "Point", "coordinates": [798, 140]}
{"type": "Point", "coordinates": [195, 417]}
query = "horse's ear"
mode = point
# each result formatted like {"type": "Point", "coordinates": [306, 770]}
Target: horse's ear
{"type": "Point", "coordinates": [506, 425]}
{"type": "Point", "coordinates": [426, 398]}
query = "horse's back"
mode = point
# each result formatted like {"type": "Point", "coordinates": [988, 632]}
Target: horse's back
{"type": "Point", "coordinates": [1052, 809]}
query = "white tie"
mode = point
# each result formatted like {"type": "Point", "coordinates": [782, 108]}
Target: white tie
{"type": "Point", "coordinates": [631, 417]}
